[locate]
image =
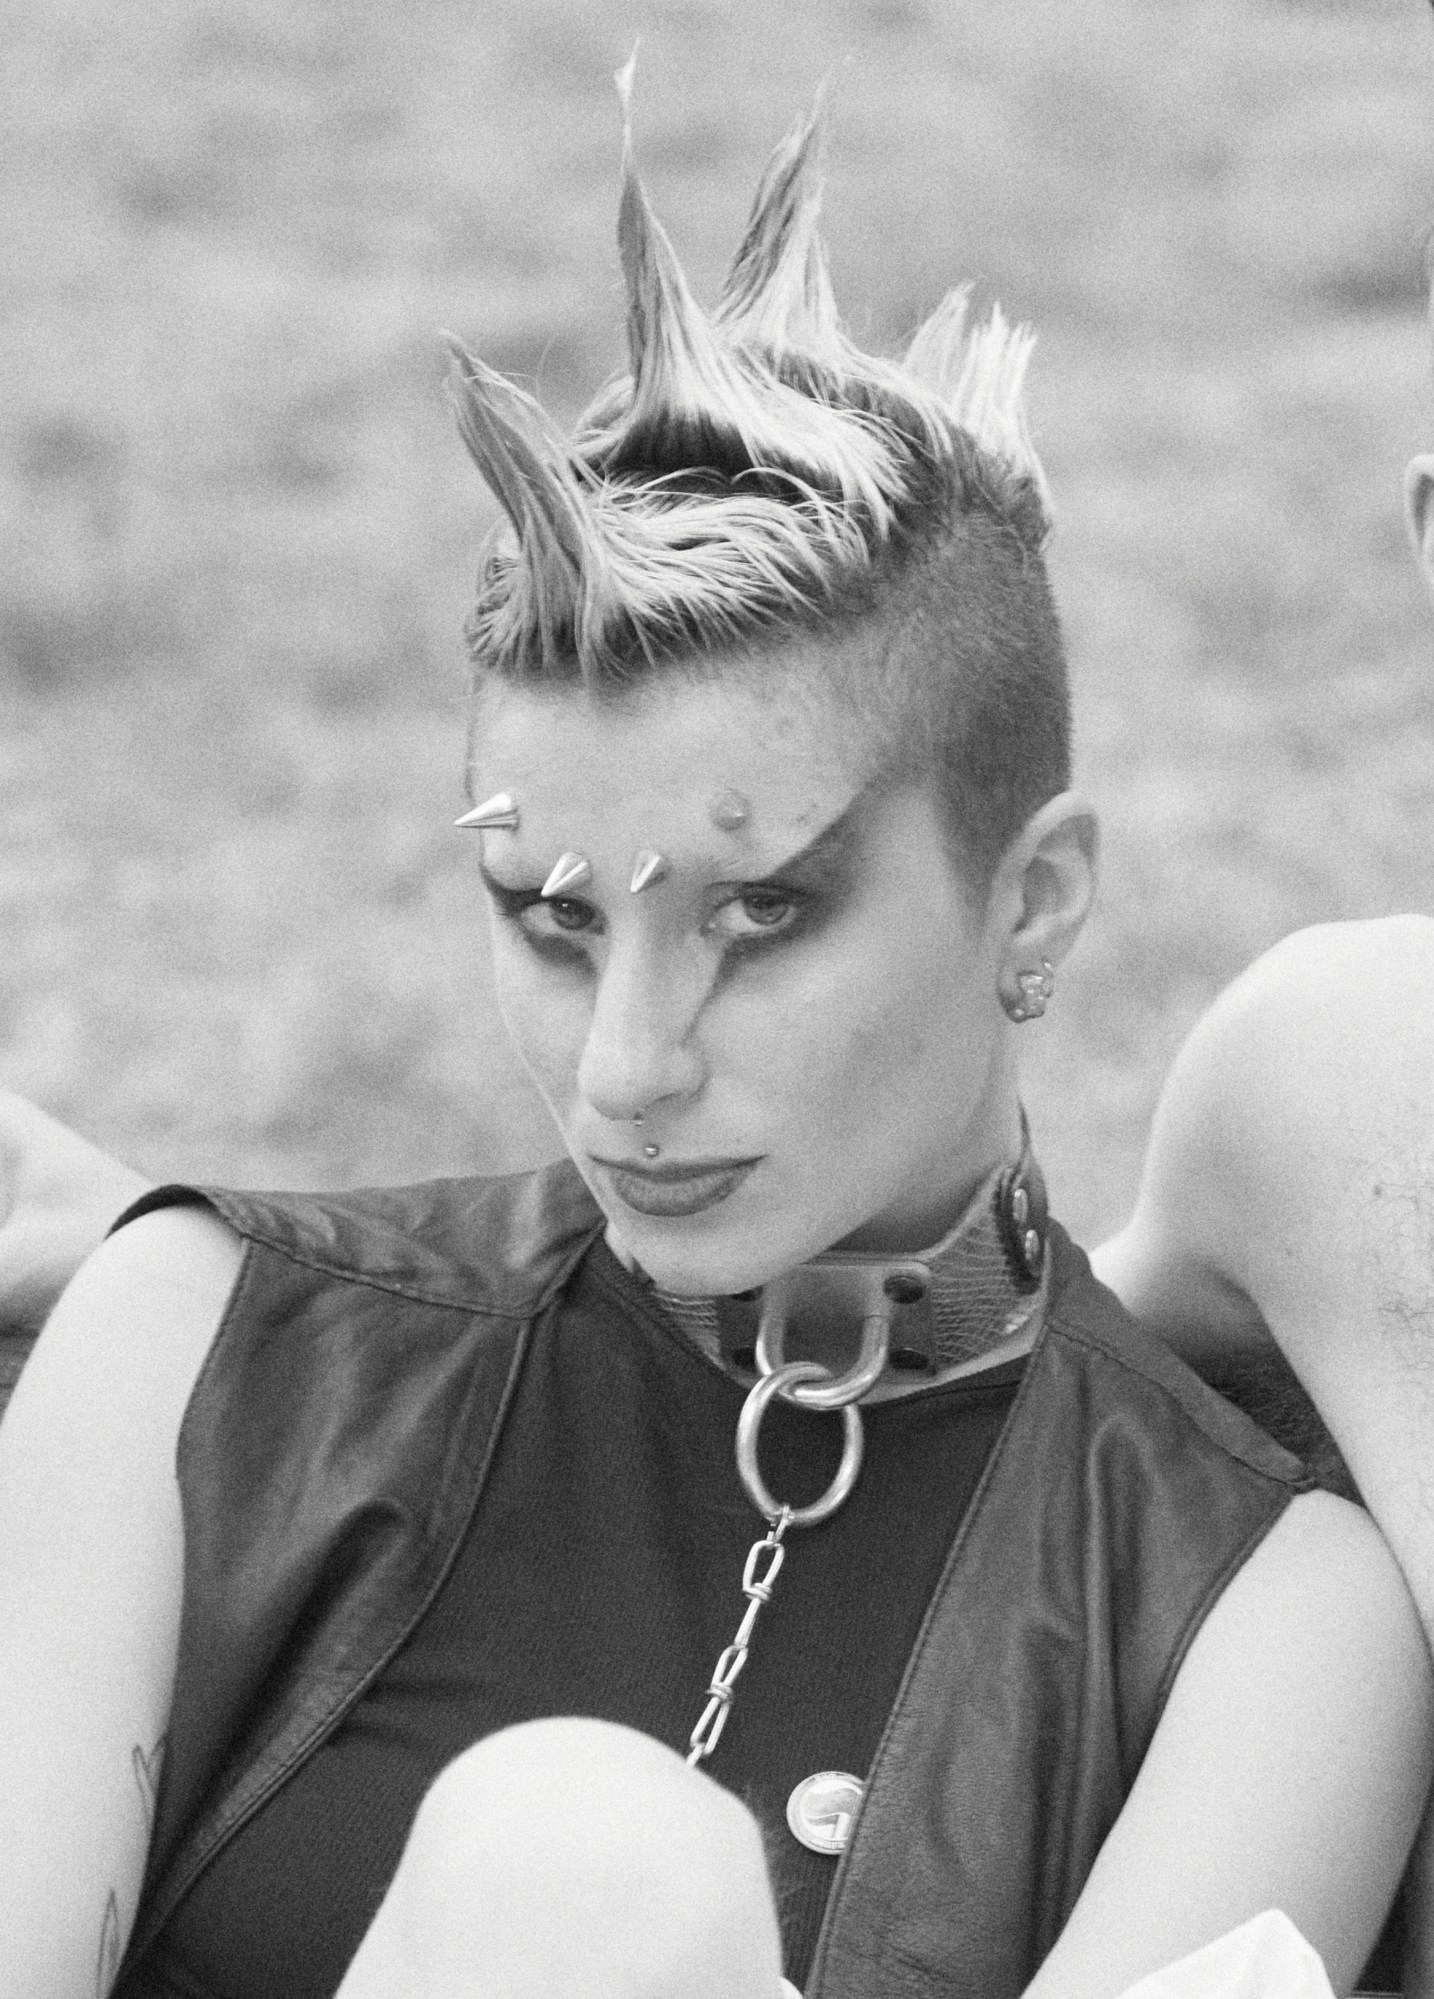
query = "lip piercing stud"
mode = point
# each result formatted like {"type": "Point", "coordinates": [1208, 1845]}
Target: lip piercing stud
{"type": "Point", "coordinates": [572, 871]}
{"type": "Point", "coordinates": [495, 812]}
{"type": "Point", "coordinates": [648, 868]}
{"type": "Point", "coordinates": [731, 811]}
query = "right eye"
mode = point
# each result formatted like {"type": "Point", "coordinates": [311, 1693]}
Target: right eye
{"type": "Point", "coordinates": [545, 916]}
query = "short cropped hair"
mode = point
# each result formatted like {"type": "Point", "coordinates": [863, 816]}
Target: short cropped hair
{"type": "Point", "coordinates": [754, 475]}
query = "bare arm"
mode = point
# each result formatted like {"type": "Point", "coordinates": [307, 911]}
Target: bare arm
{"type": "Point", "coordinates": [58, 1196]}
{"type": "Point", "coordinates": [91, 1554]}
{"type": "Point", "coordinates": [1288, 1770]}
{"type": "Point", "coordinates": [1289, 1184]}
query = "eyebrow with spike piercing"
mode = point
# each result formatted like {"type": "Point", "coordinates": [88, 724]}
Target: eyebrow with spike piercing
{"type": "Point", "coordinates": [572, 871]}
{"type": "Point", "coordinates": [494, 814]}
{"type": "Point", "coordinates": [730, 811]}
{"type": "Point", "coordinates": [649, 868]}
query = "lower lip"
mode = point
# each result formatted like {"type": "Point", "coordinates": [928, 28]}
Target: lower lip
{"type": "Point", "coordinates": [677, 1197]}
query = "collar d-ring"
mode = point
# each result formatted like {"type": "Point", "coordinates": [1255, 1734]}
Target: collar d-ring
{"type": "Point", "coordinates": [749, 1425]}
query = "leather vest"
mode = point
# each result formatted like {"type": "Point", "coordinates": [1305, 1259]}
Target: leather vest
{"type": "Point", "coordinates": [336, 1446]}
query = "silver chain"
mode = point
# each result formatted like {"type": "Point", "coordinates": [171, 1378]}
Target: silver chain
{"type": "Point", "coordinates": [803, 1382]}
{"type": "Point", "coordinates": [757, 1583]}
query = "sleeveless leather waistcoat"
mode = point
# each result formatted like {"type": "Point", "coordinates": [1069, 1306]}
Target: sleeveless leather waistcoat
{"type": "Point", "coordinates": [337, 1444]}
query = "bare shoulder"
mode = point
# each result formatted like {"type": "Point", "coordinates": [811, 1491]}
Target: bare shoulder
{"type": "Point", "coordinates": [91, 1586]}
{"type": "Point", "coordinates": [188, 1249]}
{"type": "Point", "coordinates": [1302, 1708]}
{"type": "Point", "coordinates": [1290, 1171]}
{"type": "Point", "coordinates": [1328, 1557]}
{"type": "Point", "coordinates": [132, 1327]}
{"type": "Point", "coordinates": [1322, 1615]}
{"type": "Point", "coordinates": [58, 1196]}
{"type": "Point", "coordinates": [1333, 1027]}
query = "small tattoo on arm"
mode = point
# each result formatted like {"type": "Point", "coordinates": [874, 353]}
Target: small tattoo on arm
{"type": "Point", "coordinates": [146, 1776]}
{"type": "Point", "coordinates": [146, 1769]}
{"type": "Point", "coordinates": [107, 1968]}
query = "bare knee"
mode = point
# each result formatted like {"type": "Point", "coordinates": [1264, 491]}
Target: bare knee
{"type": "Point", "coordinates": [578, 1851]}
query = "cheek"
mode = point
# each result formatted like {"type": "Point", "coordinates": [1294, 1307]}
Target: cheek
{"type": "Point", "coordinates": [818, 1054]}
{"type": "Point", "coordinates": [546, 1018]}
{"type": "Point", "coordinates": [904, 1036]}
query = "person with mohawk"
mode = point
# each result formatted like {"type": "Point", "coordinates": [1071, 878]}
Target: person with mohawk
{"type": "Point", "coordinates": [364, 1558]}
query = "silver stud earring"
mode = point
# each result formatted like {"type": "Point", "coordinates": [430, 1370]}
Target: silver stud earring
{"type": "Point", "coordinates": [572, 871]}
{"type": "Point", "coordinates": [1035, 988]}
{"type": "Point", "coordinates": [649, 868]}
{"type": "Point", "coordinates": [494, 813]}
{"type": "Point", "coordinates": [731, 811]}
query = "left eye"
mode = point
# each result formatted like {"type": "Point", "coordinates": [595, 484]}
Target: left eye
{"type": "Point", "coordinates": [756, 912]}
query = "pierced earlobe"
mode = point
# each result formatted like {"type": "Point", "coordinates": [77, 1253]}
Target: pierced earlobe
{"type": "Point", "coordinates": [1034, 989]}
{"type": "Point", "coordinates": [494, 813]}
{"type": "Point", "coordinates": [572, 871]}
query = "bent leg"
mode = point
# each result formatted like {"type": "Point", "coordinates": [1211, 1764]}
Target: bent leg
{"type": "Point", "coordinates": [574, 1857]}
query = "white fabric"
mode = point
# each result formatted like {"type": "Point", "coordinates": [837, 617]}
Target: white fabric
{"type": "Point", "coordinates": [1266, 1958]}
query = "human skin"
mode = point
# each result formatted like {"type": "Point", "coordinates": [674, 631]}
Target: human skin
{"type": "Point", "coordinates": [651, 1005]}
{"type": "Point", "coordinates": [58, 1196]}
{"type": "Point", "coordinates": [1288, 1196]}
{"type": "Point", "coordinates": [573, 1856]}
{"type": "Point", "coordinates": [839, 1023]}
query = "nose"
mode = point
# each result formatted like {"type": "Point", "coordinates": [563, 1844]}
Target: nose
{"type": "Point", "coordinates": [641, 1046]}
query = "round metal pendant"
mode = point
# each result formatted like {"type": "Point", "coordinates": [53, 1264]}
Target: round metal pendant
{"type": "Point", "coordinates": [822, 1808]}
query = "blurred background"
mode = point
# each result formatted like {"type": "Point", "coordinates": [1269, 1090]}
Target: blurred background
{"type": "Point", "coordinates": [240, 941]}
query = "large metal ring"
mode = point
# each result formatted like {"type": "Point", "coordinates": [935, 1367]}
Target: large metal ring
{"type": "Point", "coordinates": [835, 1391]}
{"type": "Point", "coordinates": [749, 1425]}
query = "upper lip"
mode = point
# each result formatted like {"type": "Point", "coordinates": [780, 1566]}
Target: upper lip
{"type": "Point", "coordinates": [681, 1169]}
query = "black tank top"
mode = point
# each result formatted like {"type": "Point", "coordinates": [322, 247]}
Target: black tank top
{"type": "Point", "coordinates": [602, 1576]}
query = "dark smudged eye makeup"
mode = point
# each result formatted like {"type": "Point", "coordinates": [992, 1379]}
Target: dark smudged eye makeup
{"type": "Point", "coordinates": [752, 914]}
{"type": "Point", "coordinates": [544, 919]}
{"type": "Point", "coordinates": [742, 916]}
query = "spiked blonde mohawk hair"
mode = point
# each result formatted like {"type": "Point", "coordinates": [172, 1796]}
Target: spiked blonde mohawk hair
{"type": "Point", "coordinates": [753, 472]}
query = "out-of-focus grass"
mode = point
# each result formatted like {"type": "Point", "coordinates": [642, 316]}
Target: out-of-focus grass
{"type": "Point", "coordinates": [239, 939]}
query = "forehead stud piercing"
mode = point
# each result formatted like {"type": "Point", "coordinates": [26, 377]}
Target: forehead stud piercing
{"type": "Point", "coordinates": [494, 813]}
{"type": "Point", "coordinates": [1035, 989]}
{"type": "Point", "coordinates": [648, 869]}
{"type": "Point", "coordinates": [731, 811]}
{"type": "Point", "coordinates": [572, 871]}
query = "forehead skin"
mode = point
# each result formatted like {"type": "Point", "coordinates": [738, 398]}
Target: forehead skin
{"type": "Point", "coordinates": [648, 766]}
{"type": "Point", "coordinates": [860, 1065]}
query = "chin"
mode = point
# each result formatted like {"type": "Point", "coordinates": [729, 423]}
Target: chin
{"type": "Point", "coordinates": [702, 1257]}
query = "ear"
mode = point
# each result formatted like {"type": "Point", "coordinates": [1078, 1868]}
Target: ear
{"type": "Point", "coordinates": [1419, 511]}
{"type": "Point", "coordinates": [1045, 886]}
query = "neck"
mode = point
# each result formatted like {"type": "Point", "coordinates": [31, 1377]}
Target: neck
{"type": "Point", "coordinates": [949, 1306]}
{"type": "Point", "coordinates": [993, 1138]}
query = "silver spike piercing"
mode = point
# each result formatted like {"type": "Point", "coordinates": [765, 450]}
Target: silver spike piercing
{"type": "Point", "coordinates": [572, 871]}
{"type": "Point", "coordinates": [651, 1151]}
{"type": "Point", "coordinates": [731, 811]}
{"type": "Point", "coordinates": [1035, 989]}
{"type": "Point", "coordinates": [494, 813]}
{"type": "Point", "coordinates": [648, 868]}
